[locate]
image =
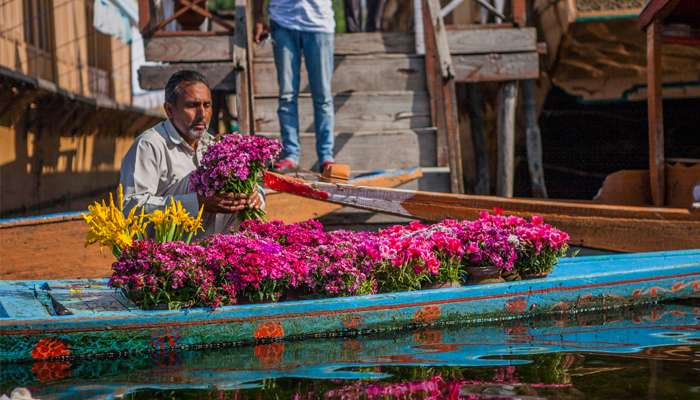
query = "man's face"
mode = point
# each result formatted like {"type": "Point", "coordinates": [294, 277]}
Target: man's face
{"type": "Point", "coordinates": [191, 113]}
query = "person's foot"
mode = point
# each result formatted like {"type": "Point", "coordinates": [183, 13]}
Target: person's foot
{"type": "Point", "coordinates": [326, 164]}
{"type": "Point", "coordinates": [285, 166]}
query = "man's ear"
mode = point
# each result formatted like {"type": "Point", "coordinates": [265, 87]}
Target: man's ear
{"type": "Point", "coordinates": [168, 109]}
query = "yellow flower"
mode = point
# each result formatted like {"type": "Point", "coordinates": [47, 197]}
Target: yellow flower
{"type": "Point", "coordinates": [108, 226]}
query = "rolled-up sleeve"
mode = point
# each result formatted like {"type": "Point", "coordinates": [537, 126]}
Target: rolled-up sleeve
{"type": "Point", "coordinates": [140, 175]}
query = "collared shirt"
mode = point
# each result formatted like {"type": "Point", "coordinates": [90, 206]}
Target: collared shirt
{"type": "Point", "coordinates": [303, 15]}
{"type": "Point", "coordinates": [157, 168]}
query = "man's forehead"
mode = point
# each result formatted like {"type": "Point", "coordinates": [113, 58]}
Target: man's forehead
{"type": "Point", "coordinates": [195, 91]}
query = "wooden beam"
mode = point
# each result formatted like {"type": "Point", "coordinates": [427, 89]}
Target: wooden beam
{"type": "Point", "coordinates": [221, 76]}
{"type": "Point", "coordinates": [240, 60]}
{"type": "Point", "coordinates": [189, 49]}
{"type": "Point", "coordinates": [487, 41]}
{"type": "Point", "coordinates": [144, 16]}
{"type": "Point", "coordinates": [440, 37]}
{"type": "Point", "coordinates": [655, 114]}
{"type": "Point", "coordinates": [533, 140]}
{"type": "Point", "coordinates": [507, 99]}
{"type": "Point", "coordinates": [432, 77]}
{"type": "Point", "coordinates": [496, 67]}
{"type": "Point", "coordinates": [656, 10]}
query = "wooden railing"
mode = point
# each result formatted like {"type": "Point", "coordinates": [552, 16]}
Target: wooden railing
{"type": "Point", "coordinates": [157, 19]}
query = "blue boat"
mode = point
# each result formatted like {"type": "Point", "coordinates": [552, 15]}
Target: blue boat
{"type": "Point", "coordinates": [83, 318]}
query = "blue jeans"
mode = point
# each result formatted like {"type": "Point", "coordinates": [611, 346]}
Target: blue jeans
{"type": "Point", "coordinates": [317, 48]}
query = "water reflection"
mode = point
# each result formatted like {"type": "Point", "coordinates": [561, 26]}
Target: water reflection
{"type": "Point", "coordinates": [523, 358]}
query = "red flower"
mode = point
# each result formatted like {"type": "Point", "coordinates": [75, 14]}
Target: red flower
{"type": "Point", "coordinates": [498, 211]}
{"type": "Point", "coordinates": [49, 347]}
{"type": "Point", "coordinates": [270, 329]}
{"type": "Point", "coordinates": [537, 219]}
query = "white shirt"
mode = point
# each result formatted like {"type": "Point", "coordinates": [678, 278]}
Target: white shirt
{"type": "Point", "coordinates": [157, 167]}
{"type": "Point", "coordinates": [303, 15]}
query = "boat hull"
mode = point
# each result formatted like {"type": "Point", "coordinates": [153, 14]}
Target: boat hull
{"type": "Point", "coordinates": [577, 284]}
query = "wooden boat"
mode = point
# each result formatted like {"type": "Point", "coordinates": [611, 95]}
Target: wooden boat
{"type": "Point", "coordinates": [51, 246]}
{"type": "Point", "coordinates": [79, 318]}
{"type": "Point", "coordinates": [624, 334]}
{"type": "Point", "coordinates": [609, 227]}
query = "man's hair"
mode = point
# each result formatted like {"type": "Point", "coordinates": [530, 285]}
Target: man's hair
{"type": "Point", "coordinates": [172, 88]}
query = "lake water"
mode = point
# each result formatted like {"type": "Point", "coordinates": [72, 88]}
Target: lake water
{"type": "Point", "coordinates": [650, 353]}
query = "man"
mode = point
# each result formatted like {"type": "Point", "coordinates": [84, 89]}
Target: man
{"type": "Point", "coordinates": [301, 27]}
{"type": "Point", "coordinates": [157, 166]}
{"type": "Point", "coordinates": [353, 15]}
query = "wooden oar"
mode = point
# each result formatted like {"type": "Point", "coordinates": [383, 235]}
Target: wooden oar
{"type": "Point", "coordinates": [611, 227]}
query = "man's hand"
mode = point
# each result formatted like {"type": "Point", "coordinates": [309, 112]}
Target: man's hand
{"type": "Point", "coordinates": [229, 203]}
{"type": "Point", "coordinates": [225, 203]}
{"type": "Point", "coordinates": [261, 32]}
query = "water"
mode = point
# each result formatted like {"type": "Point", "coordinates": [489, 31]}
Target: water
{"type": "Point", "coordinates": [651, 353]}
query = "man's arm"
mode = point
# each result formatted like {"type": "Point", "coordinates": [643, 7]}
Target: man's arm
{"type": "Point", "coordinates": [139, 175]}
{"type": "Point", "coordinates": [260, 30]}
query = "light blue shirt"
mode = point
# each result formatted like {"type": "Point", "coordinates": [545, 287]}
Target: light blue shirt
{"type": "Point", "coordinates": [303, 15]}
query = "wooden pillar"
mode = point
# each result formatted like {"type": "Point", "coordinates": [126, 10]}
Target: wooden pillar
{"type": "Point", "coordinates": [655, 114]}
{"type": "Point", "coordinates": [533, 139]}
{"type": "Point", "coordinates": [441, 87]}
{"type": "Point", "coordinates": [481, 150]}
{"type": "Point", "coordinates": [507, 101]}
{"type": "Point", "coordinates": [242, 54]}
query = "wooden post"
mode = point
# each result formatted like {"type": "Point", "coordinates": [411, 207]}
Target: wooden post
{"type": "Point", "coordinates": [507, 99]}
{"type": "Point", "coordinates": [519, 13]}
{"type": "Point", "coordinates": [655, 114]}
{"type": "Point", "coordinates": [533, 140]}
{"type": "Point", "coordinates": [240, 61]}
{"type": "Point", "coordinates": [439, 77]}
{"type": "Point", "coordinates": [481, 150]}
{"type": "Point", "coordinates": [144, 15]}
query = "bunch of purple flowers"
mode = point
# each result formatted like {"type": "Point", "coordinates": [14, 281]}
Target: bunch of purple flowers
{"type": "Point", "coordinates": [235, 164]}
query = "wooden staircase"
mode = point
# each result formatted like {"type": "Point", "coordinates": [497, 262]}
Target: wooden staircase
{"type": "Point", "coordinates": [393, 108]}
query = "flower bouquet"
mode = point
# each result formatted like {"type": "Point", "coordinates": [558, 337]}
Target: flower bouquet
{"type": "Point", "coordinates": [235, 164]}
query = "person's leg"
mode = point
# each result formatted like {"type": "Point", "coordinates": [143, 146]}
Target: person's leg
{"type": "Point", "coordinates": [353, 15]}
{"type": "Point", "coordinates": [318, 56]}
{"type": "Point", "coordinates": [287, 53]}
{"type": "Point", "coordinates": [375, 12]}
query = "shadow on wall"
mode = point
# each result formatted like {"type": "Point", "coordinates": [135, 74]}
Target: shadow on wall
{"type": "Point", "coordinates": [59, 155]}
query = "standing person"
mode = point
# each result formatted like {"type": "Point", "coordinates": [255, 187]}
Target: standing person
{"type": "Point", "coordinates": [301, 27]}
{"type": "Point", "coordinates": [158, 165]}
{"type": "Point", "coordinates": [353, 15]}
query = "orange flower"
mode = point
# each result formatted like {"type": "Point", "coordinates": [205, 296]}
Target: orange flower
{"type": "Point", "coordinates": [516, 305]}
{"type": "Point", "coordinates": [427, 314]}
{"type": "Point", "coordinates": [49, 347]}
{"type": "Point", "coordinates": [270, 329]}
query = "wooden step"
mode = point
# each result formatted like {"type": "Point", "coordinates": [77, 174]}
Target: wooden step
{"type": "Point", "coordinates": [389, 72]}
{"type": "Point", "coordinates": [220, 48]}
{"type": "Point", "coordinates": [354, 73]}
{"type": "Point", "coordinates": [461, 41]}
{"type": "Point", "coordinates": [354, 112]}
{"type": "Point", "coordinates": [365, 151]}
